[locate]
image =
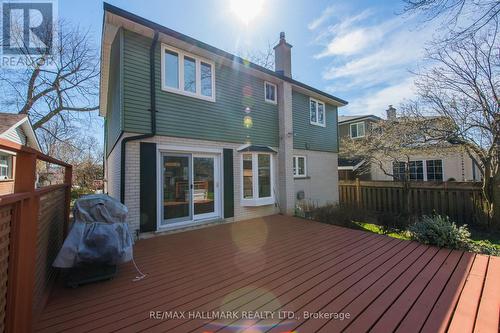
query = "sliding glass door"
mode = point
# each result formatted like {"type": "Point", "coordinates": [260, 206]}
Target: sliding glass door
{"type": "Point", "coordinates": [191, 188]}
{"type": "Point", "coordinates": [176, 188]}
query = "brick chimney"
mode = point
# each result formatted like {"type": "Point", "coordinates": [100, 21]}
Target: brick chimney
{"type": "Point", "coordinates": [283, 57]}
{"type": "Point", "coordinates": [391, 113]}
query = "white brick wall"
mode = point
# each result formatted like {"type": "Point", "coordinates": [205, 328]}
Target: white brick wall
{"type": "Point", "coordinates": [321, 184]}
{"type": "Point", "coordinates": [132, 185]}
{"type": "Point", "coordinates": [112, 169]}
{"type": "Point", "coordinates": [285, 170]}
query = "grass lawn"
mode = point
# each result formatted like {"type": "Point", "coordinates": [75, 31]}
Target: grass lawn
{"type": "Point", "coordinates": [478, 237]}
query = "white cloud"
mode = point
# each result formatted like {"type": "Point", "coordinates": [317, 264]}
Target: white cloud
{"type": "Point", "coordinates": [347, 44]}
{"type": "Point", "coordinates": [327, 13]}
{"type": "Point", "coordinates": [342, 26]}
{"type": "Point", "coordinates": [370, 56]}
{"type": "Point", "coordinates": [376, 102]}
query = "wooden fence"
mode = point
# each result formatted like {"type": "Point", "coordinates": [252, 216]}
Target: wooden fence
{"type": "Point", "coordinates": [33, 223]}
{"type": "Point", "coordinates": [461, 201]}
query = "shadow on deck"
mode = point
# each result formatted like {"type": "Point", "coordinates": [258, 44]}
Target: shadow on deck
{"type": "Point", "coordinates": [269, 274]}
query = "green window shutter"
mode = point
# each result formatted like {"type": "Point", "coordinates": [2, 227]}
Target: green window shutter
{"type": "Point", "coordinates": [148, 186]}
{"type": "Point", "coordinates": [228, 184]}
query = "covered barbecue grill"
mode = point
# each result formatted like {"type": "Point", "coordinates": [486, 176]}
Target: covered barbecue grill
{"type": "Point", "coordinates": [98, 240]}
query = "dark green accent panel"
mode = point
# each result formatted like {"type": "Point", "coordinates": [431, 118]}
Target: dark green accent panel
{"type": "Point", "coordinates": [228, 183]}
{"type": "Point", "coordinates": [312, 137]}
{"type": "Point", "coordinates": [114, 108]}
{"type": "Point", "coordinates": [148, 186]}
{"type": "Point", "coordinates": [183, 116]}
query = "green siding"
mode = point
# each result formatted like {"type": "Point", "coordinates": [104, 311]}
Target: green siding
{"type": "Point", "coordinates": [114, 108]}
{"type": "Point", "coordinates": [312, 137]}
{"type": "Point", "coordinates": [189, 117]}
{"type": "Point", "coordinates": [344, 128]}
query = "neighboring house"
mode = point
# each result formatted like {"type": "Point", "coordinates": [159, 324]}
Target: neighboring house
{"type": "Point", "coordinates": [15, 128]}
{"type": "Point", "coordinates": [442, 164]}
{"type": "Point", "coordinates": [196, 134]}
{"type": "Point", "coordinates": [354, 127]}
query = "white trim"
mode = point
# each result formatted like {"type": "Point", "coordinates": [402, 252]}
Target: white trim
{"type": "Point", "coordinates": [28, 131]}
{"type": "Point", "coordinates": [296, 158]}
{"type": "Point", "coordinates": [357, 130]}
{"type": "Point", "coordinates": [188, 149]}
{"type": "Point", "coordinates": [198, 60]}
{"type": "Point", "coordinates": [275, 101]}
{"type": "Point", "coordinates": [256, 201]}
{"type": "Point", "coordinates": [353, 168]}
{"type": "Point", "coordinates": [218, 174]}
{"type": "Point", "coordinates": [359, 119]}
{"type": "Point", "coordinates": [424, 168]}
{"type": "Point", "coordinates": [317, 123]}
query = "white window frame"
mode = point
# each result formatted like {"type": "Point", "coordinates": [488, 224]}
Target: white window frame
{"type": "Point", "coordinates": [198, 60]}
{"type": "Point", "coordinates": [296, 169]}
{"type": "Point", "coordinates": [357, 129]}
{"type": "Point", "coordinates": [424, 168]}
{"type": "Point", "coordinates": [317, 123]}
{"type": "Point", "coordinates": [7, 167]}
{"type": "Point", "coordinates": [275, 101]}
{"type": "Point", "coordinates": [256, 201]}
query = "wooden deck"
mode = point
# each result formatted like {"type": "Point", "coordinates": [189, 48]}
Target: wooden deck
{"type": "Point", "coordinates": [259, 273]}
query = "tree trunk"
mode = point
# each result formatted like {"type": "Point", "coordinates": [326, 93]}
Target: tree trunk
{"type": "Point", "coordinates": [495, 201]}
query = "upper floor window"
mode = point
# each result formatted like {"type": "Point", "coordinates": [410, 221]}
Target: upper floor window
{"type": "Point", "coordinates": [5, 167]}
{"type": "Point", "coordinates": [317, 112]}
{"type": "Point", "coordinates": [187, 74]}
{"type": "Point", "coordinates": [270, 93]}
{"type": "Point", "coordinates": [299, 166]}
{"type": "Point", "coordinates": [357, 130]}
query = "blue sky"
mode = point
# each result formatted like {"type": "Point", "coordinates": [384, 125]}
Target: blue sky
{"type": "Point", "coordinates": [360, 51]}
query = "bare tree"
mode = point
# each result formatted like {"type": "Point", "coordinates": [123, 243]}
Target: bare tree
{"type": "Point", "coordinates": [57, 80]}
{"type": "Point", "coordinates": [463, 87]}
{"type": "Point", "coordinates": [66, 142]}
{"type": "Point", "coordinates": [462, 17]}
{"type": "Point", "coordinates": [390, 144]}
{"type": "Point", "coordinates": [263, 58]}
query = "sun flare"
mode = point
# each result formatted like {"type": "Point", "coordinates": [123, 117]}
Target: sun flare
{"type": "Point", "coordinates": [246, 10]}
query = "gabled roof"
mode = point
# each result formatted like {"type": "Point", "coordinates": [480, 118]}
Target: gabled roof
{"type": "Point", "coordinates": [10, 121]}
{"type": "Point", "coordinates": [346, 119]}
{"type": "Point", "coordinates": [350, 163]}
{"type": "Point", "coordinates": [231, 57]}
{"type": "Point", "coordinates": [254, 148]}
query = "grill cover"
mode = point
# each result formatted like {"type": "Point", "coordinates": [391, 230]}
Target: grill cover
{"type": "Point", "coordinates": [99, 234]}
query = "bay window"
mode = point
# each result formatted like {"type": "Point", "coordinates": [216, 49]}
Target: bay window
{"type": "Point", "coordinates": [257, 179]}
{"type": "Point", "coordinates": [187, 74]}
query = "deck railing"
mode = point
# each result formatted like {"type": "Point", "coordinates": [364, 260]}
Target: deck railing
{"type": "Point", "coordinates": [33, 223]}
{"type": "Point", "coordinates": [461, 201]}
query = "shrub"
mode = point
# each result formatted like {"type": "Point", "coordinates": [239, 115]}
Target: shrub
{"type": "Point", "coordinates": [440, 231]}
{"type": "Point", "coordinates": [390, 222]}
{"type": "Point", "coordinates": [304, 209]}
{"type": "Point", "coordinates": [485, 247]}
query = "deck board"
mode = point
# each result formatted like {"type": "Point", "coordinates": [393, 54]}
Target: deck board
{"type": "Point", "coordinates": [281, 263]}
